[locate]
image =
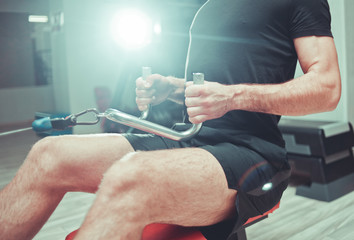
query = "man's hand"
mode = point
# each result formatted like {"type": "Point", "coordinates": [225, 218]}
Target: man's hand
{"type": "Point", "coordinates": [208, 101]}
{"type": "Point", "coordinates": [154, 90]}
{"type": "Point", "coordinates": [157, 88]}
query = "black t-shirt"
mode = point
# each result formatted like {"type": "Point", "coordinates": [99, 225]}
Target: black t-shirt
{"type": "Point", "coordinates": [251, 41]}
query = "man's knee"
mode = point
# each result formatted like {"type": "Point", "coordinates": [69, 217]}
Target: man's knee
{"type": "Point", "coordinates": [46, 157]}
{"type": "Point", "coordinates": [127, 176]}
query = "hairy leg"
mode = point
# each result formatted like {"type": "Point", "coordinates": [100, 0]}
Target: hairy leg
{"type": "Point", "coordinates": [182, 186]}
{"type": "Point", "coordinates": [54, 166]}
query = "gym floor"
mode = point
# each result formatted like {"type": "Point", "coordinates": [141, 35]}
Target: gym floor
{"type": "Point", "coordinates": [298, 218]}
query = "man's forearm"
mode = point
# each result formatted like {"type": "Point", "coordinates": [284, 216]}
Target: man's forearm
{"type": "Point", "coordinates": [310, 93]}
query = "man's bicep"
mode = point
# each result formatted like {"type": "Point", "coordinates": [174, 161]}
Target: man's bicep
{"type": "Point", "coordinates": [317, 54]}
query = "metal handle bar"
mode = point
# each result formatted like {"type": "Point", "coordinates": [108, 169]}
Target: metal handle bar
{"type": "Point", "coordinates": [141, 124]}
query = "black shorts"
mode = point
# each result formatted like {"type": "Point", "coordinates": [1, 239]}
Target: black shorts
{"type": "Point", "coordinates": [259, 183]}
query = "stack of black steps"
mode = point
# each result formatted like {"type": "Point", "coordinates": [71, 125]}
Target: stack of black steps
{"type": "Point", "coordinates": [322, 153]}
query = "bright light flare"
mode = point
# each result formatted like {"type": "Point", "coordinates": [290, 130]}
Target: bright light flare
{"type": "Point", "coordinates": [157, 28]}
{"type": "Point", "coordinates": [132, 29]}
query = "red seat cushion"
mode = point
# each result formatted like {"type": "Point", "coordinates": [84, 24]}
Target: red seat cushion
{"type": "Point", "coordinates": [71, 235]}
{"type": "Point", "coordinates": [264, 214]}
{"type": "Point", "coordinates": [171, 232]}
{"type": "Point", "coordinates": [157, 231]}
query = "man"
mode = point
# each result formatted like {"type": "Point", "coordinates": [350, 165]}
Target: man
{"type": "Point", "coordinates": [234, 169]}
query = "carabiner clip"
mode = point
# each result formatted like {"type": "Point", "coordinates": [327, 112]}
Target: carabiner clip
{"type": "Point", "coordinates": [74, 117]}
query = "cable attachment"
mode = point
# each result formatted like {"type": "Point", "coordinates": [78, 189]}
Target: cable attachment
{"type": "Point", "coordinates": [72, 120]}
{"type": "Point", "coordinates": [46, 124]}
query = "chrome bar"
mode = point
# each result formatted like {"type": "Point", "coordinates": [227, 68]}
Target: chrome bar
{"type": "Point", "coordinates": [146, 126]}
{"type": "Point", "coordinates": [141, 124]}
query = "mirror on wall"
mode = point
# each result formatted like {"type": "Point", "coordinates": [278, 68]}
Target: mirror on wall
{"type": "Point", "coordinates": [25, 52]}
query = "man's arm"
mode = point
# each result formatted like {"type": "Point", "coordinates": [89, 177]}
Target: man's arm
{"type": "Point", "coordinates": [318, 90]}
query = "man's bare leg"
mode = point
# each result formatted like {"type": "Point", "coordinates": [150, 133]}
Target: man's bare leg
{"type": "Point", "coordinates": [54, 166]}
{"type": "Point", "coordinates": [183, 186]}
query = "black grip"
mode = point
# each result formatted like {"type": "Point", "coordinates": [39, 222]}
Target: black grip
{"type": "Point", "coordinates": [62, 123]}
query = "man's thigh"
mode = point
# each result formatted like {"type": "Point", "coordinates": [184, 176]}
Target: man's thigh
{"type": "Point", "coordinates": [81, 160]}
{"type": "Point", "coordinates": [188, 185]}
